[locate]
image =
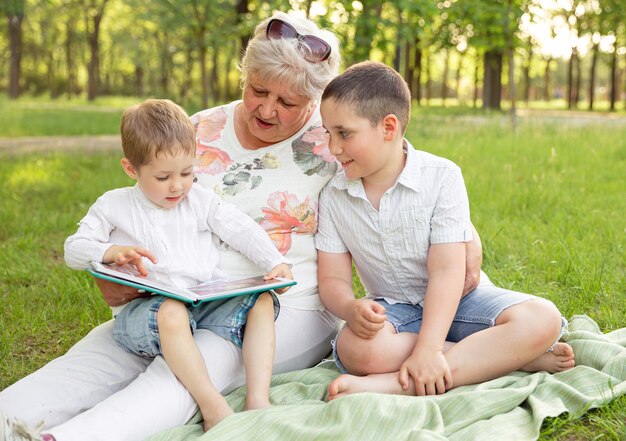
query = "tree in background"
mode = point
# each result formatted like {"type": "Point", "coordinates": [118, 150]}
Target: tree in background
{"type": "Point", "coordinates": [14, 11]}
{"type": "Point", "coordinates": [188, 50]}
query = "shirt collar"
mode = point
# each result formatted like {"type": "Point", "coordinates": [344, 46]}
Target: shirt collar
{"type": "Point", "coordinates": [143, 199]}
{"type": "Point", "coordinates": [411, 168]}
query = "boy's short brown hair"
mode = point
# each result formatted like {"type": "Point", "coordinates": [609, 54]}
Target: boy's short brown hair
{"type": "Point", "coordinates": [153, 127]}
{"type": "Point", "coordinates": [373, 90]}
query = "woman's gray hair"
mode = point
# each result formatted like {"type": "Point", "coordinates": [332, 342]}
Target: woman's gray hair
{"type": "Point", "coordinates": [282, 61]}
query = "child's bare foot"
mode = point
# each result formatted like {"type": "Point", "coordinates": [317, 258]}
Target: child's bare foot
{"type": "Point", "coordinates": [351, 384]}
{"type": "Point", "coordinates": [560, 359]}
{"type": "Point", "coordinates": [215, 412]}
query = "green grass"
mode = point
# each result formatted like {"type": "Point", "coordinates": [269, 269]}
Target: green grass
{"type": "Point", "coordinates": [549, 201]}
{"type": "Point", "coordinates": [40, 116]}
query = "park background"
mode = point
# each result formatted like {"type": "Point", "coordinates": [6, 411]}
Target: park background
{"type": "Point", "coordinates": [528, 97]}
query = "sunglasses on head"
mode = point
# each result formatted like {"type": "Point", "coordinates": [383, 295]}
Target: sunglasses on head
{"type": "Point", "coordinates": [313, 49]}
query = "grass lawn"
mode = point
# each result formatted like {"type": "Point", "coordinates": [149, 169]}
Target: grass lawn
{"type": "Point", "coordinates": [549, 201]}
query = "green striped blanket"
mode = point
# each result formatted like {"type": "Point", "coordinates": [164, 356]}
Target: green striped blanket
{"type": "Point", "coordinates": [512, 407]}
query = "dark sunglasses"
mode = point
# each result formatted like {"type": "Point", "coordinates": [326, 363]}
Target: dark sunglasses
{"type": "Point", "coordinates": [316, 50]}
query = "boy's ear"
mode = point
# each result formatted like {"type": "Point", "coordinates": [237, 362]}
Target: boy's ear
{"type": "Point", "coordinates": [391, 126]}
{"type": "Point", "coordinates": [129, 169]}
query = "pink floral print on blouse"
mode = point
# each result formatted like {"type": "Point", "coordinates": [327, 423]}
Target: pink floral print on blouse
{"type": "Point", "coordinates": [311, 153]}
{"type": "Point", "coordinates": [286, 215]}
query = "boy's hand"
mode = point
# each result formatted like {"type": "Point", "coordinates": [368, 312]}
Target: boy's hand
{"type": "Point", "coordinates": [121, 255]}
{"type": "Point", "coordinates": [366, 318]}
{"type": "Point", "coordinates": [281, 270]}
{"type": "Point", "coordinates": [428, 369]}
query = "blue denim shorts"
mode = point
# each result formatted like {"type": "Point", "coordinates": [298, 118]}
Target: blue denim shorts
{"type": "Point", "coordinates": [477, 311]}
{"type": "Point", "coordinates": [136, 329]}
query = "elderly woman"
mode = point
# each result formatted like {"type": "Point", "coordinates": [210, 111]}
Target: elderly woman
{"type": "Point", "coordinates": [268, 155]}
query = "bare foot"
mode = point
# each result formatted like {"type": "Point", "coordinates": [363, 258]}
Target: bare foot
{"type": "Point", "coordinates": [380, 383]}
{"type": "Point", "coordinates": [560, 359]}
{"type": "Point", "coordinates": [215, 412]}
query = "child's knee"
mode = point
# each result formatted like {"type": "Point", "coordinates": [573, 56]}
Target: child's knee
{"type": "Point", "coordinates": [548, 321]}
{"type": "Point", "coordinates": [265, 300]}
{"type": "Point", "coordinates": [172, 314]}
{"type": "Point", "coordinates": [358, 355]}
{"type": "Point", "coordinates": [541, 319]}
{"type": "Point", "coordinates": [264, 304]}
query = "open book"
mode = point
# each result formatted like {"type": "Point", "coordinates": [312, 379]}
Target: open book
{"type": "Point", "coordinates": [213, 290]}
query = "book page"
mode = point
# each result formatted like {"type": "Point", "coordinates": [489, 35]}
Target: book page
{"type": "Point", "coordinates": [222, 288]}
{"type": "Point", "coordinates": [130, 273]}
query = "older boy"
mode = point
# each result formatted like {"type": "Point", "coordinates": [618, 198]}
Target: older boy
{"type": "Point", "coordinates": [167, 225]}
{"type": "Point", "coordinates": [403, 216]}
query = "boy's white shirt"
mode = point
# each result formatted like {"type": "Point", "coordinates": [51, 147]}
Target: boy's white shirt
{"type": "Point", "coordinates": [184, 238]}
{"type": "Point", "coordinates": [428, 205]}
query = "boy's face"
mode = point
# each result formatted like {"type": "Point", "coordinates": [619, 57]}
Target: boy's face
{"type": "Point", "coordinates": [363, 150]}
{"type": "Point", "coordinates": [165, 180]}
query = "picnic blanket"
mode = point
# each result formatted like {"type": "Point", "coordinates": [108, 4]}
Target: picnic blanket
{"type": "Point", "coordinates": [512, 407]}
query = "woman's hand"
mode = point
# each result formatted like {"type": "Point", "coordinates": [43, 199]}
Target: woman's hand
{"type": "Point", "coordinates": [117, 295]}
{"type": "Point", "coordinates": [366, 318]}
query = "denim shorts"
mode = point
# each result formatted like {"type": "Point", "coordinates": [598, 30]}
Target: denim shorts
{"type": "Point", "coordinates": [137, 331]}
{"type": "Point", "coordinates": [478, 310]}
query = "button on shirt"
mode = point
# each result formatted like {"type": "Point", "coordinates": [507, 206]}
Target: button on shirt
{"type": "Point", "coordinates": [427, 205]}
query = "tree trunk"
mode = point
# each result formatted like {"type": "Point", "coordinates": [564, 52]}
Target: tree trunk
{"type": "Point", "coordinates": [408, 68]}
{"type": "Point", "coordinates": [457, 85]}
{"type": "Point", "coordinates": [232, 87]}
{"type": "Point", "coordinates": [15, 49]}
{"type": "Point", "coordinates": [444, 79]}
{"type": "Point", "coordinates": [492, 80]}
{"type": "Point", "coordinates": [203, 74]}
{"type": "Point", "coordinates": [242, 9]}
{"type": "Point", "coordinates": [547, 95]}
{"type": "Point", "coordinates": [570, 79]}
{"type": "Point", "coordinates": [93, 37]}
{"type": "Point", "coordinates": [397, 58]}
{"type": "Point", "coordinates": [215, 87]}
{"type": "Point", "coordinates": [69, 56]}
{"type": "Point", "coordinates": [576, 96]}
{"type": "Point", "coordinates": [186, 83]}
{"type": "Point", "coordinates": [138, 80]}
{"type": "Point", "coordinates": [418, 71]}
{"type": "Point", "coordinates": [428, 79]}
{"type": "Point", "coordinates": [614, 81]}
{"type": "Point", "coordinates": [526, 75]}
{"type": "Point", "coordinates": [592, 76]}
{"type": "Point", "coordinates": [162, 40]}
{"type": "Point", "coordinates": [476, 80]}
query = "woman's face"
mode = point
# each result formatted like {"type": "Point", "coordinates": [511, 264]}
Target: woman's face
{"type": "Point", "coordinates": [271, 112]}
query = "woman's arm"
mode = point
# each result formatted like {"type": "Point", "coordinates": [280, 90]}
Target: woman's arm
{"type": "Point", "coordinates": [117, 295]}
{"type": "Point", "coordinates": [473, 262]}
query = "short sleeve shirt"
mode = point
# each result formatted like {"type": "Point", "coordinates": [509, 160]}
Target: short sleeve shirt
{"type": "Point", "coordinates": [389, 246]}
